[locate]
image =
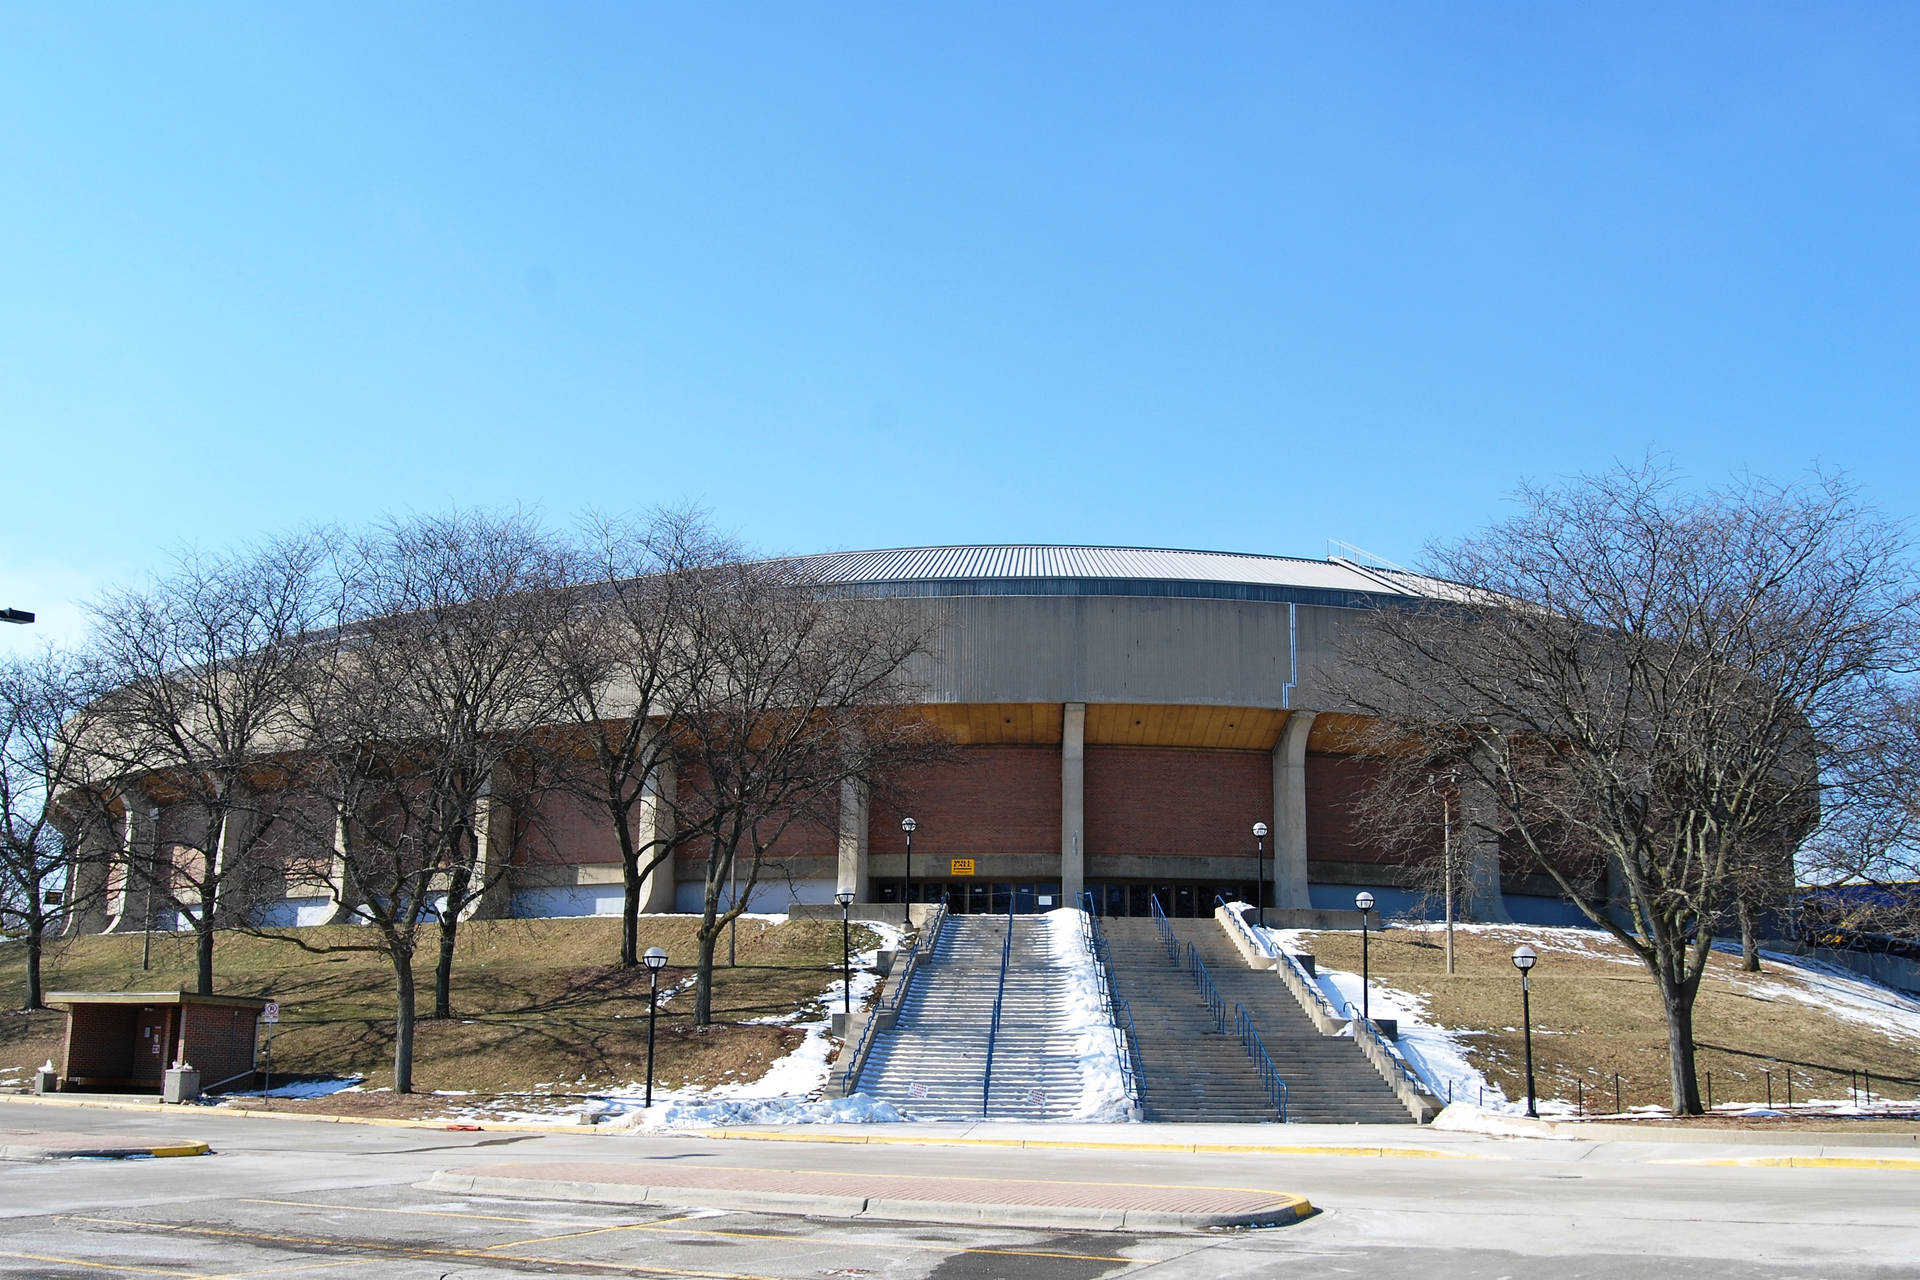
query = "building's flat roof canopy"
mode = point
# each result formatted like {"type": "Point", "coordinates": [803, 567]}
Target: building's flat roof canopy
{"type": "Point", "coordinates": [255, 1003]}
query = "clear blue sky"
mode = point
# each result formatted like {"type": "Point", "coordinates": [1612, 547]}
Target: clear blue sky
{"type": "Point", "coordinates": [1240, 277]}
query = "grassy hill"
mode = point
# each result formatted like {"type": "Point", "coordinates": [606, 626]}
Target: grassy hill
{"type": "Point", "coordinates": [1596, 1011]}
{"type": "Point", "coordinates": [536, 1001]}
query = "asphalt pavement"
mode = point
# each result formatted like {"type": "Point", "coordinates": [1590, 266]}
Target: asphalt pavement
{"type": "Point", "coordinates": [288, 1198]}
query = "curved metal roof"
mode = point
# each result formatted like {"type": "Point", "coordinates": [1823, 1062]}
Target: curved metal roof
{"type": "Point", "coordinates": [1030, 569]}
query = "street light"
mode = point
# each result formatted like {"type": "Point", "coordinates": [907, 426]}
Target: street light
{"type": "Point", "coordinates": [1524, 960]}
{"type": "Point", "coordinates": [845, 899]}
{"type": "Point", "coordinates": [1259, 872]}
{"type": "Point", "coordinates": [655, 959]}
{"type": "Point", "coordinates": [906, 887]}
{"type": "Point", "coordinates": [20, 616]}
{"type": "Point", "coordinates": [1364, 901]}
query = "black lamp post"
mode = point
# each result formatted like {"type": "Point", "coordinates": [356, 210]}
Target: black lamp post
{"type": "Point", "coordinates": [906, 884]}
{"type": "Point", "coordinates": [1523, 960]}
{"type": "Point", "coordinates": [1364, 901]}
{"type": "Point", "coordinates": [1260, 872]}
{"type": "Point", "coordinates": [655, 959]}
{"type": "Point", "coordinates": [845, 899]}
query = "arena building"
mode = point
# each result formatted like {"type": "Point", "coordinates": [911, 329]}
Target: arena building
{"type": "Point", "coordinates": [1124, 717]}
{"type": "Point", "coordinates": [1124, 720]}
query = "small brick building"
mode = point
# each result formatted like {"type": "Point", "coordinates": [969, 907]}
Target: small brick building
{"type": "Point", "coordinates": [127, 1039]}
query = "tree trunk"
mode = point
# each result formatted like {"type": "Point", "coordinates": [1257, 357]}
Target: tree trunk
{"type": "Point", "coordinates": [403, 1022]}
{"type": "Point", "coordinates": [202, 949]}
{"type": "Point", "coordinates": [36, 937]}
{"type": "Point", "coordinates": [630, 901]}
{"type": "Point", "coordinates": [1749, 939]}
{"type": "Point", "coordinates": [1685, 1082]}
{"type": "Point", "coordinates": [443, 966]}
{"type": "Point", "coordinates": [703, 975]}
{"type": "Point", "coordinates": [457, 886]}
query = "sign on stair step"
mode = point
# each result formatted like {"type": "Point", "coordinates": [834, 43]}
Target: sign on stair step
{"type": "Point", "coordinates": [916, 1090]}
{"type": "Point", "coordinates": [1037, 1096]}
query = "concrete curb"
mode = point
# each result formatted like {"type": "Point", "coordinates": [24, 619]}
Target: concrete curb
{"type": "Point", "coordinates": [155, 1150]}
{"type": "Point", "coordinates": [1286, 1208]}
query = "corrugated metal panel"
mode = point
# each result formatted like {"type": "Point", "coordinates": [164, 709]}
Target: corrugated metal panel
{"type": "Point", "coordinates": [1016, 562]}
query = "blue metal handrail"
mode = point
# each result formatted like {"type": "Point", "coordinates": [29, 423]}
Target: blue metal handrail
{"type": "Point", "coordinates": [1167, 940]}
{"type": "Point", "coordinates": [1276, 1088]}
{"type": "Point", "coordinates": [1197, 970]}
{"type": "Point", "coordinates": [857, 1060]}
{"type": "Point", "coordinates": [1258, 941]}
{"type": "Point", "coordinates": [993, 1031]}
{"type": "Point", "coordinates": [1124, 1038]}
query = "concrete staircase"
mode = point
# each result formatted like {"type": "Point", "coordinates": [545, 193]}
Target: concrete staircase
{"type": "Point", "coordinates": [1194, 1074]}
{"type": "Point", "coordinates": [931, 1063]}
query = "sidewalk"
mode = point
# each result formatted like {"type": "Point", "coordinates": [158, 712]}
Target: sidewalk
{"type": "Point", "coordinates": [1085, 1206]}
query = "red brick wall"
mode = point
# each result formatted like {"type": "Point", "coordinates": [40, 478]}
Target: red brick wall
{"type": "Point", "coordinates": [804, 837]}
{"type": "Point", "coordinates": [1175, 800]}
{"type": "Point", "coordinates": [100, 1042]}
{"type": "Point", "coordinates": [219, 1043]}
{"type": "Point", "coordinates": [1332, 833]}
{"type": "Point", "coordinates": [567, 829]}
{"type": "Point", "coordinates": [997, 800]}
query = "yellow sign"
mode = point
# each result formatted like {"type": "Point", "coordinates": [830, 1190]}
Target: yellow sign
{"type": "Point", "coordinates": [962, 867]}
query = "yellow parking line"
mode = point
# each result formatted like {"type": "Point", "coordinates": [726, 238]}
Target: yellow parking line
{"type": "Point", "coordinates": [97, 1265]}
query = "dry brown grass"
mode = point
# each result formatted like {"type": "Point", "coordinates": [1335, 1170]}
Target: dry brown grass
{"type": "Point", "coordinates": [536, 1002]}
{"type": "Point", "coordinates": [1593, 1017]}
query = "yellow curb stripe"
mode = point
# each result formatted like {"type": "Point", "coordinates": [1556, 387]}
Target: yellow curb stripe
{"type": "Point", "coordinates": [179, 1149]}
{"type": "Point", "coordinates": [1801, 1162]}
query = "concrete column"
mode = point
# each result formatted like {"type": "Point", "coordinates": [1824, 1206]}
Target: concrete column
{"type": "Point", "coordinates": [1290, 812]}
{"type": "Point", "coordinates": [338, 888]}
{"type": "Point", "coordinates": [136, 859]}
{"type": "Point", "coordinates": [491, 896]}
{"type": "Point", "coordinates": [1481, 850]}
{"type": "Point", "coordinates": [95, 848]}
{"type": "Point", "coordinates": [1073, 803]}
{"type": "Point", "coordinates": [656, 823]}
{"type": "Point", "coordinates": [851, 875]}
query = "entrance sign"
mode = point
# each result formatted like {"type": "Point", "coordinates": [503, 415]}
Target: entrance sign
{"type": "Point", "coordinates": [962, 867]}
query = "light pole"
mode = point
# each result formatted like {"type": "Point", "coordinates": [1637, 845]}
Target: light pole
{"type": "Point", "coordinates": [845, 899]}
{"type": "Point", "coordinates": [20, 616]}
{"type": "Point", "coordinates": [906, 885]}
{"type": "Point", "coordinates": [1260, 872]}
{"type": "Point", "coordinates": [1523, 960]}
{"type": "Point", "coordinates": [655, 959]}
{"type": "Point", "coordinates": [1364, 901]}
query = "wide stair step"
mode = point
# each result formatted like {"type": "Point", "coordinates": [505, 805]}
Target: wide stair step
{"type": "Point", "coordinates": [1193, 1073]}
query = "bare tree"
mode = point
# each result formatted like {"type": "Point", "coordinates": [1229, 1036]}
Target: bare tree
{"type": "Point", "coordinates": [451, 618]}
{"type": "Point", "coordinates": [1651, 692]}
{"type": "Point", "coordinates": [625, 665]}
{"type": "Point", "coordinates": [200, 666]}
{"type": "Point", "coordinates": [47, 797]}
{"type": "Point", "coordinates": [797, 692]}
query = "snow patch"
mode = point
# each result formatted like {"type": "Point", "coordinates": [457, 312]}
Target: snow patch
{"type": "Point", "coordinates": [1083, 1015]}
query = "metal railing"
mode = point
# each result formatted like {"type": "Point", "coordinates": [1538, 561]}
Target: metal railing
{"type": "Point", "coordinates": [1255, 938]}
{"type": "Point", "coordinates": [1167, 940]}
{"type": "Point", "coordinates": [1270, 1081]}
{"type": "Point", "coordinates": [1216, 1007]}
{"type": "Point", "coordinates": [929, 935]}
{"type": "Point", "coordinates": [993, 1031]}
{"type": "Point", "coordinates": [1117, 1007]}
